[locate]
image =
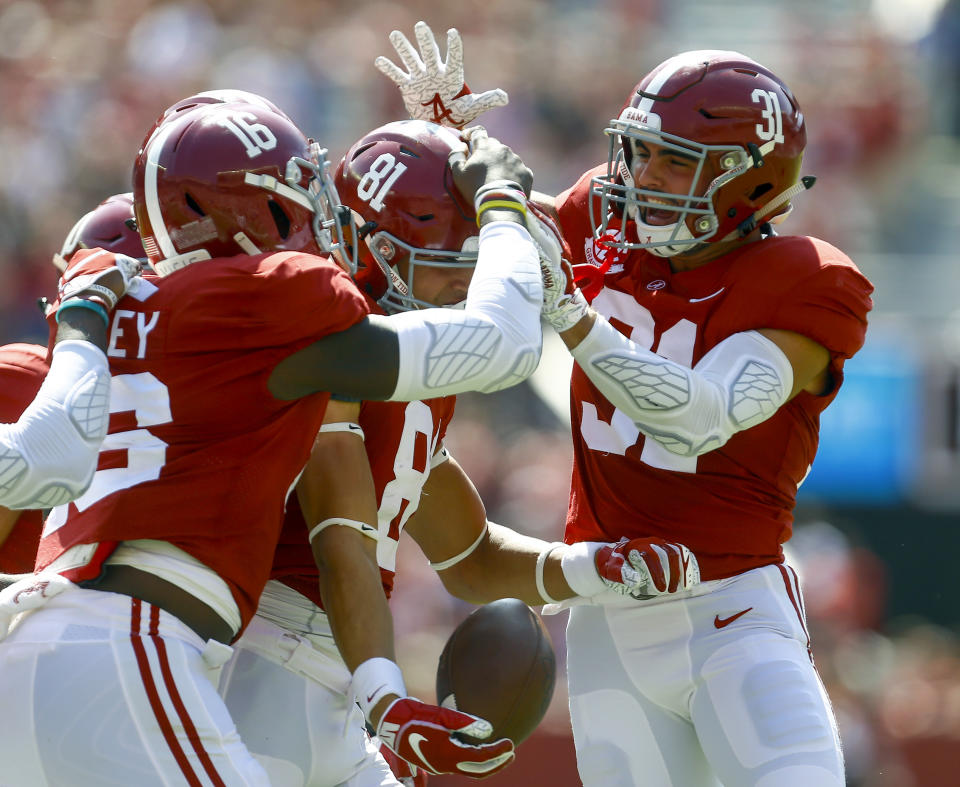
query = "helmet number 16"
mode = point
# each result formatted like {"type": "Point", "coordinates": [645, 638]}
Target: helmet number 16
{"type": "Point", "coordinates": [771, 113]}
{"type": "Point", "coordinates": [256, 137]}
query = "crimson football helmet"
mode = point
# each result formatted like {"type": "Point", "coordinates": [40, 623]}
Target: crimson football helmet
{"type": "Point", "coordinates": [111, 226]}
{"type": "Point", "coordinates": [207, 97]}
{"type": "Point", "coordinates": [741, 126]}
{"type": "Point", "coordinates": [398, 183]}
{"type": "Point", "coordinates": [234, 178]}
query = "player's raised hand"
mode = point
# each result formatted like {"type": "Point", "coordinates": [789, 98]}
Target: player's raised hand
{"type": "Point", "coordinates": [423, 735]}
{"type": "Point", "coordinates": [489, 163]}
{"type": "Point", "coordinates": [101, 276]}
{"type": "Point", "coordinates": [647, 567]}
{"type": "Point", "coordinates": [432, 89]}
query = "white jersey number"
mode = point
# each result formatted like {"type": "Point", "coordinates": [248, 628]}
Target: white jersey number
{"type": "Point", "coordinates": [411, 467]}
{"type": "Point", "coordinates": [149, 400]}
{"type": "Point", "coordinates": [620, 432]}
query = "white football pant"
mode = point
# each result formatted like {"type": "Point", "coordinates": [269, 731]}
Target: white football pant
{"type": "Point", "coordinates": [289, 694]}
{"type": "Point", "coordinates": [103, 690]}
{"type": "Point", "coordinates": [714, 685]}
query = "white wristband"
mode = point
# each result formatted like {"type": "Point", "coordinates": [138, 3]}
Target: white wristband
{"type": "Point", "coordinates": [373, 680]}
{"type": "Point", "coordinates": [580, 568]}
{"type": "Point", "coordinates": [538, 571]}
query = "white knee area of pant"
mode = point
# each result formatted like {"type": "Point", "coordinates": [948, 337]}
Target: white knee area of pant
{"type": "Point", "coordinates": [773, 707]}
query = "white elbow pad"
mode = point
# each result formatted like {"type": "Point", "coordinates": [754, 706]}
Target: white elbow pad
{"type": "Point", "coordinates": [494, 342]}
{"type": "Point", "coordinates": [738, 384]}
{"type": "Point", "coordinates": [50, 455]}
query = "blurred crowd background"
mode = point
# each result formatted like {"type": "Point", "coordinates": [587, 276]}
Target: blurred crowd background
{"type": "Point", "coordinates": [81, 81]}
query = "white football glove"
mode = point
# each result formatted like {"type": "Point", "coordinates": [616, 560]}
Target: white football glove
{"type": "Point", "coordinates": [563, 304]}
{"type": "Point", "coordinates": [435, 91]}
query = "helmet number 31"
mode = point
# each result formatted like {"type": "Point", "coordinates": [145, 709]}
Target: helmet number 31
{"type": "Point", "coordinates": [771, 113]}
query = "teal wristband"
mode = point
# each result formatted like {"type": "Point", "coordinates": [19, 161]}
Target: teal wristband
{"type": "Point", "coordinates": [84, 304]}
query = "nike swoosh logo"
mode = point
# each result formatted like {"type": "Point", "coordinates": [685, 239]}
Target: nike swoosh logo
{"type": "Point", "coordinates": [414, 740]}
{"type": "Point", "coordinates": [708, 297]}
{"type": "Point", "coordinates": [719, 622]}
{"type": "Point", "coordinates": [376, 691]}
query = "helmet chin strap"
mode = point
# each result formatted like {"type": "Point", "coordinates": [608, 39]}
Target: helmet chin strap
{"type": "Point", "coordinates": [749, 224]}
{"type": "Point", "coordinates": [170, 264]}
{"type": "Point", "coordinates": [244, 242]}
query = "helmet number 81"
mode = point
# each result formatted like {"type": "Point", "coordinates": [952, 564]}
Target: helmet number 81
{"type": "Point", "coordinates": [771, 112]}
{"type": "Point", "coordinates": [256, 137]}
{"type": "Point", "coordinates": [383, 173]}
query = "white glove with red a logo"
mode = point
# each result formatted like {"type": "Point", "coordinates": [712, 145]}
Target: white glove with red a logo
{"type": "Point", "coordinates": [433, 90]}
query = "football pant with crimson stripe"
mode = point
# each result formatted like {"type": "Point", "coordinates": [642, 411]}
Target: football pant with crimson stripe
{"type": "Point", "coordinates": [102, 690]}
{"type": "Point", "coordinates": [712, 685]}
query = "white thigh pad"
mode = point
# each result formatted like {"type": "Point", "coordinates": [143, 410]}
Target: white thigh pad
{"type": "Point", "coordinates": [49, 456]}
{"type": "Point", "coordinates": [494, 342]}
{"type": "Point", "coordinates": [741, 382]}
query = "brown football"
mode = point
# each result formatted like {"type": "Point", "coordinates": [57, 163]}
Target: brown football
{"type": "Point", "coordinates": [499, 665]}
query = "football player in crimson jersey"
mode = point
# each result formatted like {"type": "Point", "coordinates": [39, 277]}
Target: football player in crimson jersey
{"type": "Point", "coordinates": [23, 367]}
{"type": "Point", "coordinates": [418, 249]}
{"type": "Point", "coordinates": [222, 361]}
{"type": "Point", "coordinates": [59, 404]}
{"type": "Point", "coordinates": [709, 349]}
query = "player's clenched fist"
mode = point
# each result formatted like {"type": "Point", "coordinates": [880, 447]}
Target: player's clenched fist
{"type": "Point", "coordinates": [645, 567]}
{"type": "Point", "coordinates": [100, 276]}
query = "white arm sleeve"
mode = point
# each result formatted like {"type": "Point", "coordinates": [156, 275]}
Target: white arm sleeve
{"type": "Point", "coordinates": [494, 342]}
{"type": "Point", "coordinates": [741, 382]}
{"type": "Point", "coordinates": [49, 456]}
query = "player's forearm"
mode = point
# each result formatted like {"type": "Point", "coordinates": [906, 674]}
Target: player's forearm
{"type": "Point", "coordinates": [50, 454]}
{"type": "Point", "coordinates": [504, 566]}
{"type": "Point", "coordinates": [353, 597]}
{"type": "Point", "coordinates": [494, 342]}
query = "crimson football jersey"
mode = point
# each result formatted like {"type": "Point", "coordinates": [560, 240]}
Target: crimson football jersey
{"type": "Point", "coordinates": [199, 453]}
{"type": "Point", "coordinates": [22, 369]}
{"type": "Point", "coordinates": [400, 439]}
{"type": "Point", "coordinates": [733, 507]}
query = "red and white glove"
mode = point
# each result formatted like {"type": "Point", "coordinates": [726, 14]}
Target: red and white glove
{"type": "Point", "coordinates": [433, 90]}
{"type": "Point", "coordinates": [407, 774]}
{"type": "Point", "coordinates": [647, 567]}
{"type": "Point", "coordinates": [423, 735]}
{"type": "Point", "coordinates": [641, 568]}
{"type": "Point", "coordinates": [563, 304]}
{"type": "Point", "coordinates": [102, 277]}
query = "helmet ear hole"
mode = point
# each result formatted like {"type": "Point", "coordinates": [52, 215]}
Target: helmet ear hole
{"type": "Point", "coordinates": [280, 218]}
{"type": "Point", "coordinates": [194, 205]}
{"type": "Point", "coordinates": [759, 191]}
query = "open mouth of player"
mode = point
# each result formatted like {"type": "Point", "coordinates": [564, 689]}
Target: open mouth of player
{"type": "Point", "coordinates": [659, 216]}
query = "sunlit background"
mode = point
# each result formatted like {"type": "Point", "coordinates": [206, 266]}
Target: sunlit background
{"type": "Point", "coordinates": [879, 80]}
